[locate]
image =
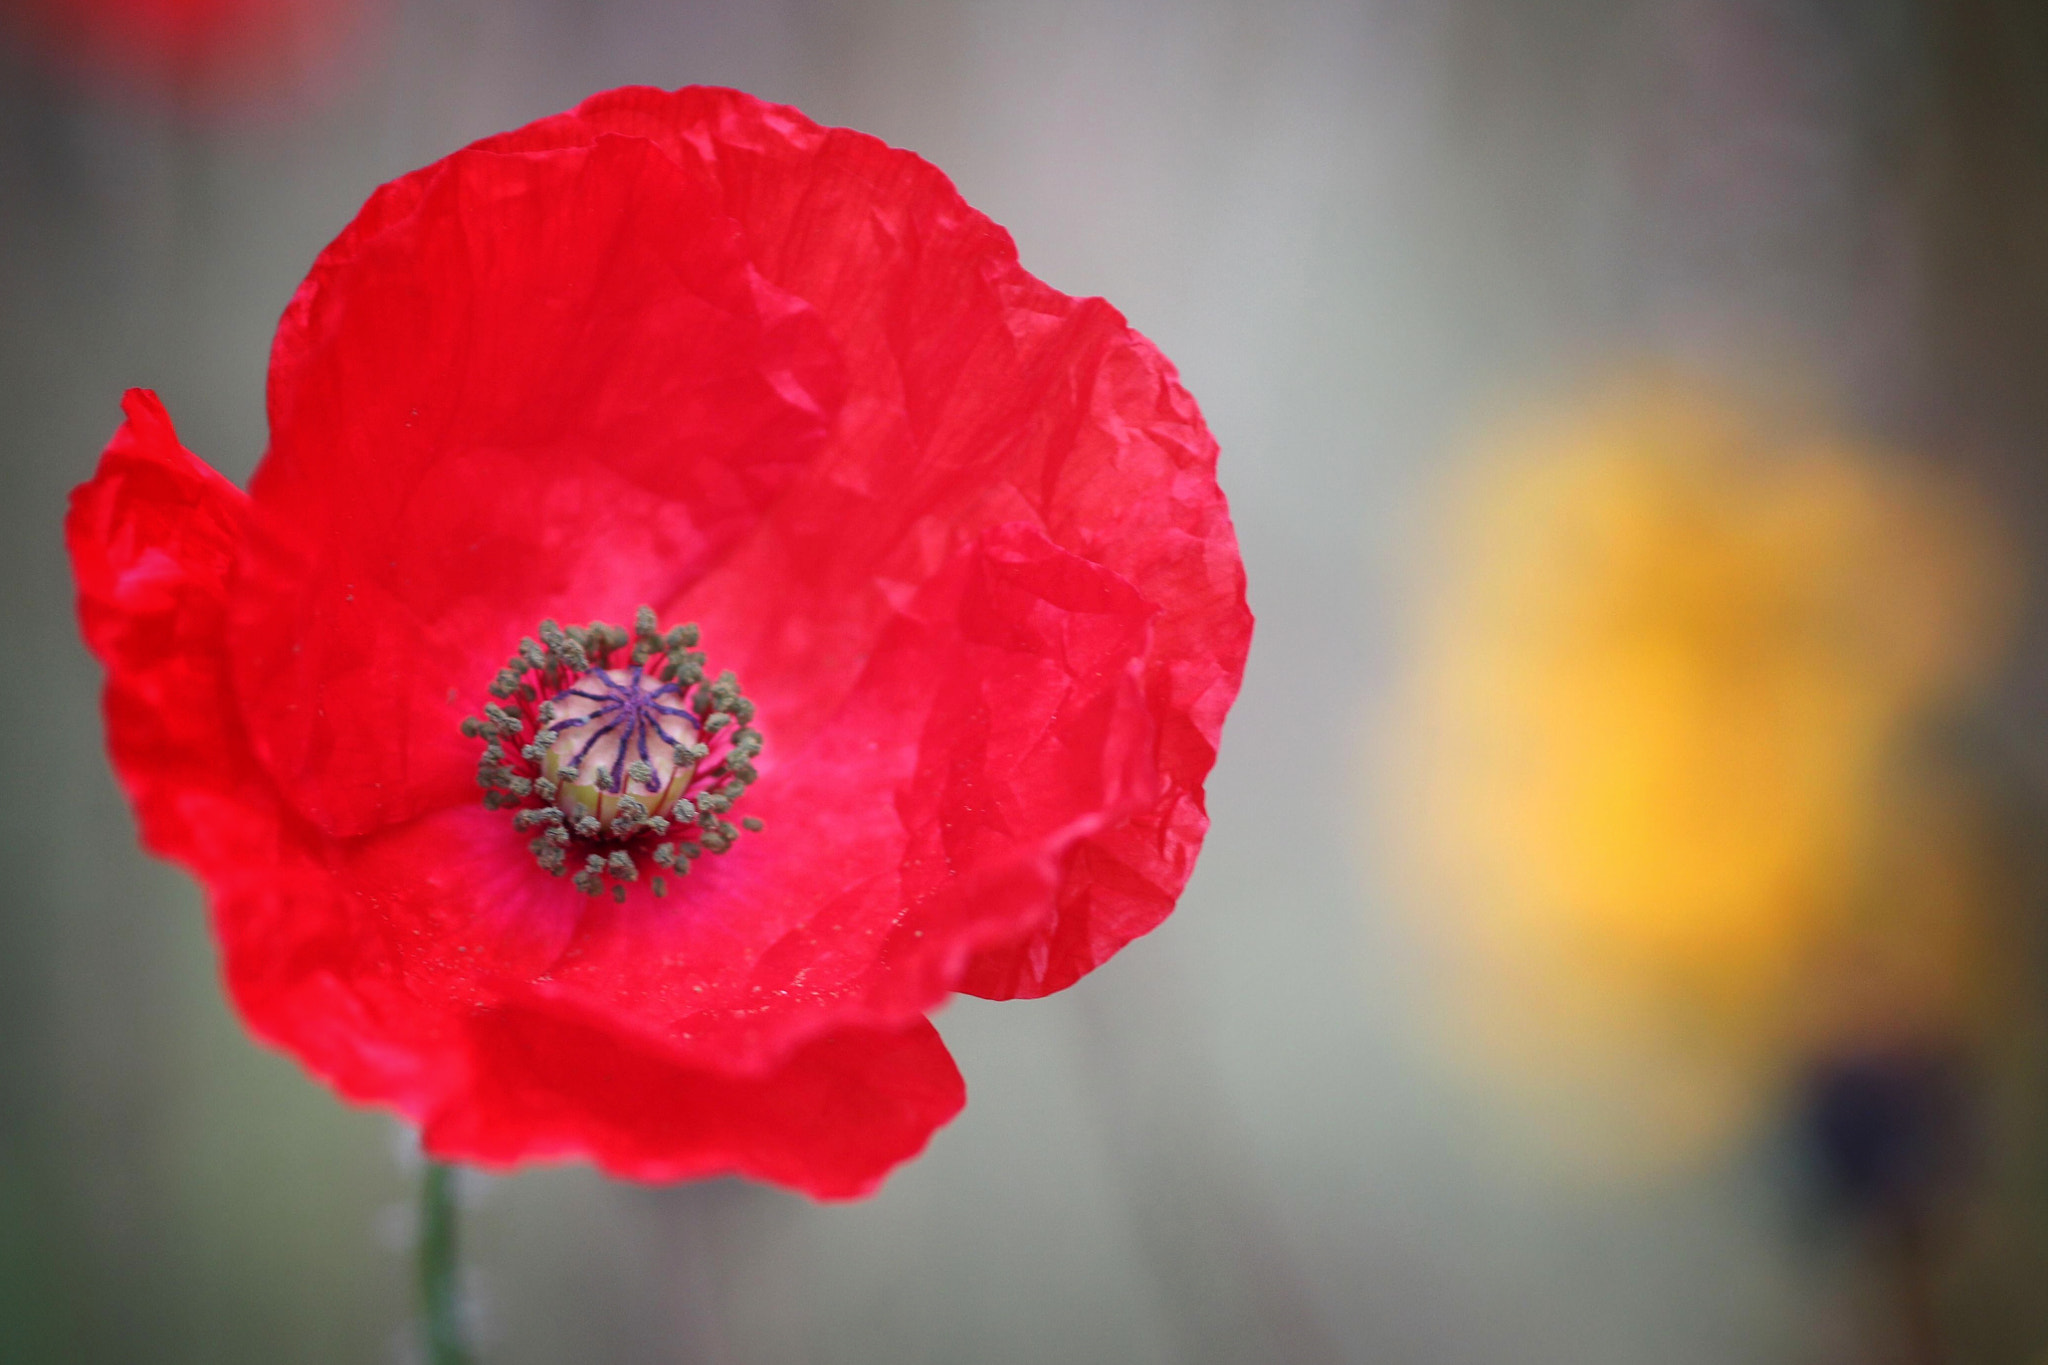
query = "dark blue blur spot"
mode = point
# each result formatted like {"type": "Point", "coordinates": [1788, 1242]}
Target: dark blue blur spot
{"type": "Point", "coordinates": [1887, 1129]}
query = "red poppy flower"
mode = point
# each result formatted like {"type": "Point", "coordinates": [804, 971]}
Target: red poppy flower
{"type": "Point", "coordinates": [205, 49]}
{"type": "Point", "coordinates": [965, 609]}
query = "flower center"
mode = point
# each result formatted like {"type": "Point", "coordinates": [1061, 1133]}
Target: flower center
{"type": "Point", "coordinates": [616, 752]}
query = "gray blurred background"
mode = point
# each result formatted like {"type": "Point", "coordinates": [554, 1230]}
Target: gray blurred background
{"type": "Point", "coordinates": [1354, 227]}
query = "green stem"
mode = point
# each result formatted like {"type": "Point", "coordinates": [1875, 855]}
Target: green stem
{"type": "Point", "coordinates": [438, 1266]}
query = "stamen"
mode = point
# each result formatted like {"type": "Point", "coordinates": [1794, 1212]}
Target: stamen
{"type": "Point", "coordinates": [605, 743]}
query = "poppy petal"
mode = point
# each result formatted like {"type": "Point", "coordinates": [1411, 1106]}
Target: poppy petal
{"type": "Point", "coordinates": [831, 1121]}
{"type": "Point", "coordinates": [154, 537]}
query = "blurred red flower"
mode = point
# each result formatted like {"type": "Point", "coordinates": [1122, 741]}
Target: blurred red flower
{"type": "Point", "coordinates": [201, 50]}
{"type": "Point", "coordinates": [959, 534]}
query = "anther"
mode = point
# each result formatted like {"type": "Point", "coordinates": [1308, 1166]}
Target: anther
{"type": "Point", "coordinates": [568, 651]}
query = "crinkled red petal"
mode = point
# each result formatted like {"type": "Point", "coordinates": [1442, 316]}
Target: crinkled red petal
{"type": "Point", "coordinates": [153, 539]}
{"type": "Point", "coordinates": [839, 1113]}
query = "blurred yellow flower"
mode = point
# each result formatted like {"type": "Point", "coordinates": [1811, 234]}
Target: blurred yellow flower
{"type": "Point", "coordinates": [1662, 778]}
